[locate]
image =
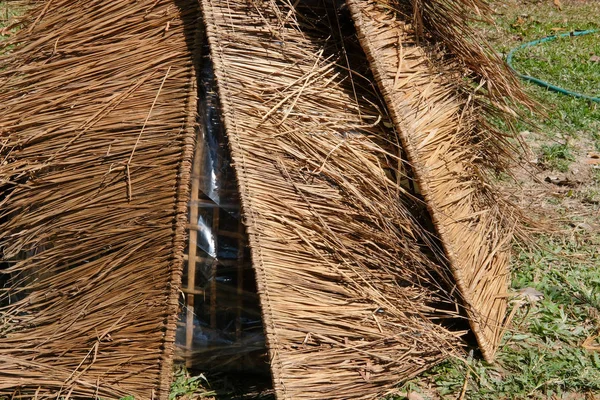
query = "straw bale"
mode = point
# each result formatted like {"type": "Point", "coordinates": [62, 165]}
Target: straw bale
{"type": "Point", "coordinates": [352, 286]}
{"type": "Point", "coordinates": [439, 116]}
{"type": "Point", "coordinates": [97, 108]}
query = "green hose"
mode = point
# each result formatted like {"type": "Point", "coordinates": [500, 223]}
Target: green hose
{"type": "Point", "coordinates": [544, 83]}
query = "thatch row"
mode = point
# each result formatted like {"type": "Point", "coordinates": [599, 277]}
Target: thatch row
{"type": "Point", "coordinates": [440, 127]}
{"type": "Point", "coordinates": [97, 106]}
{"type": "Point", "coordinates": [346, 290]}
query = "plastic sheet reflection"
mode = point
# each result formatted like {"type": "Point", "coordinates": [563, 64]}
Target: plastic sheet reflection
{"type": "Point", "coordinates": [220, 323]}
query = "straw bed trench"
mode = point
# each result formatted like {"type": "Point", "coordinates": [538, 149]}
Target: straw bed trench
{"type": "Point", "coordinates": [96, 148]}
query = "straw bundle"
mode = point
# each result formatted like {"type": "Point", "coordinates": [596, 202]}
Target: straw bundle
{"type": "Point", "coordinates": [448, 144]}
{"type": "Point", "coordinates": [347, 291]}
{"type": "Point", "coordinates": [97, 106]}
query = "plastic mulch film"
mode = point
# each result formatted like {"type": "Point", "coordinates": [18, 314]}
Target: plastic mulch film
{"type": "Point", "coordinates": [216, 177]}
{"type": "Point", "coordinates": [220, 325]}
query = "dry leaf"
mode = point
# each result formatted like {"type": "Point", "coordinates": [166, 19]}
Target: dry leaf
{"type": "Point", "coordinates": [558, 4]}
{"type": "Point", "coordinates": [531, 295]}
{"type": "Point", "coordinates": [593, 158]}
{"type": "Point", "coordinates": [584, 226]}
{"type": "Point", "coordinates": [594, 59]}
{"type": "Point", "coordinates": [519, 22]}
{"type": "Point", "coordinates": [561, 181]}
{"type": "Point", "coordinates": [590, 343]}
{"type": "Point", "coordinates": [414, 396]}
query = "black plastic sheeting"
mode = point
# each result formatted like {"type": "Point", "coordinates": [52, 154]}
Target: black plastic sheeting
{"type": "Point", "coordinates": [220, 323]}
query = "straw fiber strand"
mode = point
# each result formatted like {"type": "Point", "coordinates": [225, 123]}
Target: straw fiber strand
{"type": "Point", "coordinates": [449, 150]}
{"type": "Point", "coordinates": [351, 302]}
{"type": "Point", "coordinates": [97, 106]}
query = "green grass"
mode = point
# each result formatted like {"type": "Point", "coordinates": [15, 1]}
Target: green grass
{"type": "Point", "coordinates": [557, 156]}
{"type": "Point", "coordinates": [543, 354]}
{"type": "Point", "coordinates": [7, 11]}
{"type": "Point", "coordinates": [565, 62]}
{"type": "Point", "coordinates": [571, 63]}
{"type": "Point", "coordinates": [187, 386]}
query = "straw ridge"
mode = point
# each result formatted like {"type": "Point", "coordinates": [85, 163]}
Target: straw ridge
{"type": "Point", "coordinates": [349, 295]}
{"type": "Point", "coordinates": [97, 108]}
{"type": "Point", "coordinates": [448, 144]}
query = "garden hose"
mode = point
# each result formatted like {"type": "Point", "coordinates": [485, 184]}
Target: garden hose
{"type": "Point", "coordinates": [544, 83]}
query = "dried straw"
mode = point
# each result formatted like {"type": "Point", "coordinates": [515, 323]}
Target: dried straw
{"type": "Point", "coordinates": [349, 297]}
{"type": "Point", "coordinates": [438, 113]}
{"type": "Point", "coordinates": [97, 106]}
{"type": "Point", "coordinates": [97, 135]}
